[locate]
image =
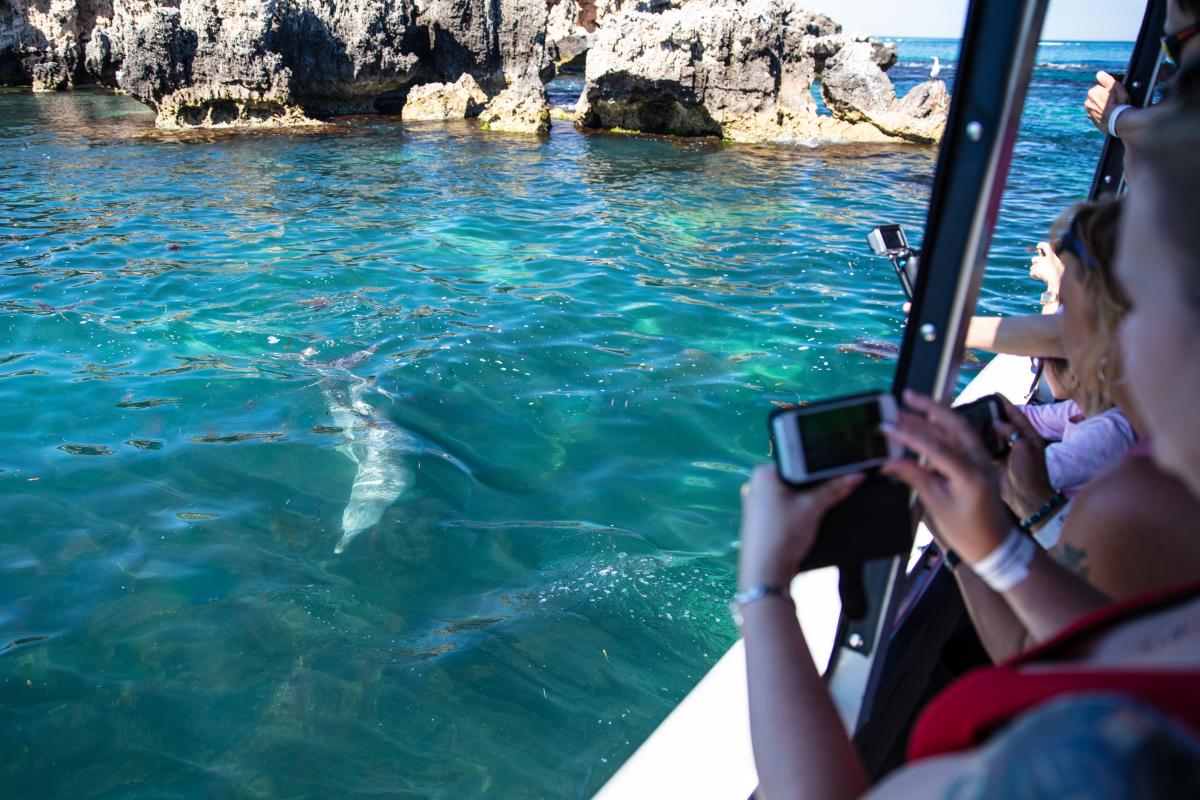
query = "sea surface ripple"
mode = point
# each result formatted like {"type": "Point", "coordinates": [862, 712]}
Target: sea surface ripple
{"type": "Point", "coordinates": [582, 335]}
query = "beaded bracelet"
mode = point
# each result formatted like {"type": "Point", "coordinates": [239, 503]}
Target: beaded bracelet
{"type": "Point", "coordinates": [951, 558]}
{"type": "Point", "coordinates": [1048, 508]}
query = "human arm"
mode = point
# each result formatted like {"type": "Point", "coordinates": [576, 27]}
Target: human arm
{"type": "Point", "coordinates": [800, 745]}
{"type": "Point", "coordinates": [1133, 495]}
{"type": "Point", "coordinates": [1048, 268]}
{"type": "Point", "coordinates": [1022, 483]}
{"type": "Point", "coordinates": [1104, 98]}
{"type": "Point", "coordinates": [1001, 631]}
{"type": "Point", "coordinates": [960, 490]}
{"type": "Point", "coordinates": [1031, 335]}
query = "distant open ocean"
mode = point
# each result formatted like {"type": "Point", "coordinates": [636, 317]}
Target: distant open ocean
{"type": "Point", "coordinates": [582, 336]}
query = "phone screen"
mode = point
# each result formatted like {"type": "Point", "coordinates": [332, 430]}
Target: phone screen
{"type": "Point", "coordinates": [841, 436]}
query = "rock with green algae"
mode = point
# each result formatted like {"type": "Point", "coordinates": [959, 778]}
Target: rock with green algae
{"type": "Point", "coordinates": [521, 108]}
{"type": "Point", "coordinates": [444, 101]}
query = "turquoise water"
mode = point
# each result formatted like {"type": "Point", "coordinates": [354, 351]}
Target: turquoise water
{"type": "Point", "coordinates": [581, 337]}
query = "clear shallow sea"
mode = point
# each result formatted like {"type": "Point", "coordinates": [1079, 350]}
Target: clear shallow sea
{"type": "Point", "coordinates": [582, 335]}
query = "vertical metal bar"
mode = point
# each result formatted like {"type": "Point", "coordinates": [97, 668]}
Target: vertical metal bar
{"type": "Point", "coordinates": [1140, 79]}
{"type": "Point", "coordinates": [995, 63]}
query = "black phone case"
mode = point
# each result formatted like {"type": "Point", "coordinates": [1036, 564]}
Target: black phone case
{"type": "Point", "coordinates": [873, 522]}
{"type": "Point", "coordinates": [775, 445]}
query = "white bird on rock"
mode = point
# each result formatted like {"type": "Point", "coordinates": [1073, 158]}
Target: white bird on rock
{"type": "Point", "coordinates": [936, 69]}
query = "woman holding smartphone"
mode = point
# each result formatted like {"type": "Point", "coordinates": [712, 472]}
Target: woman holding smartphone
{"type": "Point", "coordinates": [1111, 689]}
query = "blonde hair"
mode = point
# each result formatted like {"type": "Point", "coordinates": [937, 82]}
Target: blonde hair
{"type": "Point", "coordinates": [1096, 227]}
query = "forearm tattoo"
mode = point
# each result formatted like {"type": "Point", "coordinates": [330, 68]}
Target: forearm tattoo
{"type": "Point", "coordinates": [1073, 558]}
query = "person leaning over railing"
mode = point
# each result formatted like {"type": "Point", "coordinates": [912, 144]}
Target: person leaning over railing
{"type": "Point", "coordinates": [1107, 705]}
{"type": "Point", "coordinates": [1089, 531]}
{"type": "Point", "coordinates": [1107, 106]}
{"type": "Point", "coordinates": [1086, 431]}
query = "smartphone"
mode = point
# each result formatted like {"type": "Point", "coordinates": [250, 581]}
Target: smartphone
{"type": "Point", "coordinates": [832, 438]}
{"type": "Point", "coordinates": [981, 414]}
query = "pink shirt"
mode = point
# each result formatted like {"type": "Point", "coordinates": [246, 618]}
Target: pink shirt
{"type": "Point", "coordinates": [1080, 447]}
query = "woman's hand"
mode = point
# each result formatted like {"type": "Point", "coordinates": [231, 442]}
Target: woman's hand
{"type": "Point", "coordinates": [779, 524]}
{"type": "Point", "coordinates": [1024, 483]}
{"type": "Point", "coordinates": [958, 484]}
{"type": "Point", "coordinates": [1047, 267]}
{"type": "Point", "coordinates": [1106, 95]}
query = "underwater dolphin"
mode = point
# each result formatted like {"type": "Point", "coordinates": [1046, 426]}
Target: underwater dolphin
{"type": "Point", "coordinates": [373, 442]}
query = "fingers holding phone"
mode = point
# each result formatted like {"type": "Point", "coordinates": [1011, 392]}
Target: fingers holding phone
{"type": "Point", "coordinates": [956, 479]}
{"type": "Point", "coordinates": [1025, 480]}
{"type": "Point", "coordinates": [779, 524]}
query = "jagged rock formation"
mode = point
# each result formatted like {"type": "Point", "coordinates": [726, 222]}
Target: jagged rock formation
{"type": "Point", "coordinates": [521, 108]}
{"type": "Point", "coordinates": [443, 101]}
{"type": "Point", "coordinates": [269, 61]}
{"type": "Point", "coordinates": [740, 69]}
{"type": "Point", "coordinates": [40, 43]}
{"type": "Point", "coordinates": [743, 70]}
{"type": "Point", "coordinates": [857, 93]}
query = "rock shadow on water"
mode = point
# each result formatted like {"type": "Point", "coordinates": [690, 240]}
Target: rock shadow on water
{"type": "Point", "coordinates": [146, 444]}
{"type": "Point", "coordinates": [236, 438]}
{"type": "Point", "coordinates": [149, 403]}
{"type": "Point", "coordinates": [86, 449]}
{"type": "Point", "coordinates": [22, 641]}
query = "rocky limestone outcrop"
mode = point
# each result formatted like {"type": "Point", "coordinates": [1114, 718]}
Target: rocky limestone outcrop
{"type": "Point", "coordinates": [194, 75]}
{"type": "Point", "coordinates": [201, 62]}
{"type": "Point", "coordinates": [521, 108]}
{"type": "Point", "coordinates": [739, 69]}
{"type": "Point", "coordinates": [41, 43]}
{"type": "Point", "coordinates": [444, 101]}
{"type": "Point", "coordinates": [493, 40]}
{"type": "Point", "coordinates": [857, 93]}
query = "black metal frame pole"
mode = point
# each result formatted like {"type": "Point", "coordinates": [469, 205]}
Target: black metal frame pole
{"type": "Point", "coordinates": [1140, 79]}
{"type": "Point", "coordinates": [995, 63]}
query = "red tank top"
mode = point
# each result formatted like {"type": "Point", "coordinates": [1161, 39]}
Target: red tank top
{"type": "Point", "coordinates": [983, 701]}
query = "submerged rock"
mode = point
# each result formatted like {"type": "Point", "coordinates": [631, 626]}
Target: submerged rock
{"type": "Point", "coordinates": [443, 101]}
{"type": "Point", "coordinates": [521, 108]}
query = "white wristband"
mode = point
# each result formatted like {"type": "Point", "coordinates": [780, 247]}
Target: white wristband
{"type": "Point", "coordinates": [1008, 565]}
{"type": "Point", "coordinates": [1114, 116]}
{"type": "Point", "coordinates": [1051, 531]}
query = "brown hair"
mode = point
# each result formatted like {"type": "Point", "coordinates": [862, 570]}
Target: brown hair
{"type": "Point", "coordinates": [1096, 225]}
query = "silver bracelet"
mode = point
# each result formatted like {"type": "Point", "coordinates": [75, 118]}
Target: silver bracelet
{"type": "Point", "coordinates": [753, 594]}
{"type": "Point", "coordinates": [1114, 116]}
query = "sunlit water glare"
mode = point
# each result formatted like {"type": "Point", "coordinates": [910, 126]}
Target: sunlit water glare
{"type": "Point", "coordinates": [580, 336]}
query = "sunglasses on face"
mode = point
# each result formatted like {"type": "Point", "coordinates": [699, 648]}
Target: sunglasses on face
{"type": "Point", "coordinates": [1172, 43]}
{"type": "Point", "coordinates": [1071, 243]}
